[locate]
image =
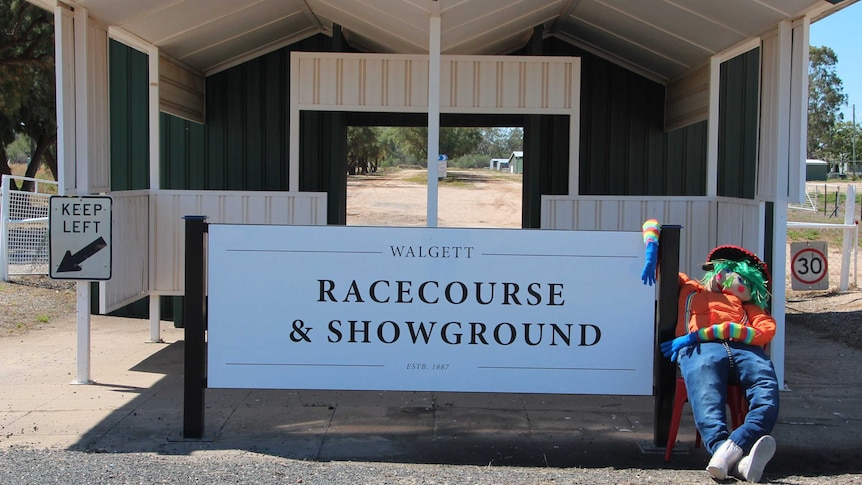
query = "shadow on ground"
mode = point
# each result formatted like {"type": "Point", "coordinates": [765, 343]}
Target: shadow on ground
{"type": "Point", "coordinates": [817, 432]}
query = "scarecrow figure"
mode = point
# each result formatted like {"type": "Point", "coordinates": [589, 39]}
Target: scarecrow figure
{"type": "Point", "coordinates": [722, 330]}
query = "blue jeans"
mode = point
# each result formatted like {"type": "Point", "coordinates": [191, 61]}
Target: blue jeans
{"type": "Point", "coordinates": [707, 370]}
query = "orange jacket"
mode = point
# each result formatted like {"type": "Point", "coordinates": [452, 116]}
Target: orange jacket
{"type": "Point", "coordinates": [707, 308]}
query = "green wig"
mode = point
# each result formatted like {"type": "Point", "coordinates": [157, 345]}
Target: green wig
{"type": "Point", "coordinates": [751, 274]}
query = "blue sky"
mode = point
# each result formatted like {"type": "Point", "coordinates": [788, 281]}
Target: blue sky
{"type": "Point", "coordinates": [840, 32]}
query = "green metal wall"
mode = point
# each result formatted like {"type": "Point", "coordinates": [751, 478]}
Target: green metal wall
{"type": "Point", "coordinates": [182, 147]}
{"type": "Point", "coordinates": [247, 126]}
{"type": "Point", "coordinates": [182, 152]}
{"type": "Point", "coordinates": [624, 149]}
{"type": "Point", "coordinates": [737, 125]}
{"type": "Point", "coordinates": [128, 108]}
{"type": "Point", "coordinates": [546, 141]}
{"type": "Point", "coordinates": [323, 160]}
{"type": "Point", "coordinates": [247, 132]}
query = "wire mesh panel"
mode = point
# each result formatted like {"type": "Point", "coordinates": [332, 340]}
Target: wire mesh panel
{"type": "Point", "coordinates": [25, 226]}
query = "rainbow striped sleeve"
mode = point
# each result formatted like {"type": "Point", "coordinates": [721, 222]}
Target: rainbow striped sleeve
{"type": "Point", "coordinates": [651, 231]}
{"type": "Point", "coordinates": [727, 331]}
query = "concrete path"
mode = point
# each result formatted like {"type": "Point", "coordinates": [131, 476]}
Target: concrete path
{"type": "Point", "coordinates": [136, 405]}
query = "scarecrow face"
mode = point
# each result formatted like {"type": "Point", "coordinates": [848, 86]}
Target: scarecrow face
{"type": "Point", "coordinates": [730, 283]}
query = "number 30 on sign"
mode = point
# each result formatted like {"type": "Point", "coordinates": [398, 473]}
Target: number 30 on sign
{"type": "Point", "coordinates": [809, 266]}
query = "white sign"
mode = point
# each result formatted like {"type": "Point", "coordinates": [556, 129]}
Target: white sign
{"type": "Point", "coordinates": [80, 237]}
{"type": "Point", "coordinates": [809, 265]}
{"type": "Point", "coordinates": [442, 162]}
{"type": "Point", "coordinates": [428, 309]}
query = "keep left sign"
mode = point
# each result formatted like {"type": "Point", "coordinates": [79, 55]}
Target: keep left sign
{"type": "Point", "coordinates": [80, 237]}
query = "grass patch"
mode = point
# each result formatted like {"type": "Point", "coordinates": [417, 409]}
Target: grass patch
{"type": "Point", "coordinates": [450, 180]}
{"type": "Point", "coordinates": [418, 178]}
{"type": "Point", "coordinates": [803, 234]}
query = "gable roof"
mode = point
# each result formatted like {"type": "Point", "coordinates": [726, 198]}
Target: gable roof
{"type": "Point", "coordinates": [660, 39]}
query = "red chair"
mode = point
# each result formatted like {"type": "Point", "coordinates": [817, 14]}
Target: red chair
{"type": "Point", "coordinates": [735, 401]}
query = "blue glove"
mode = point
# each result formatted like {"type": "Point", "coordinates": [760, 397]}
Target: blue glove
{"type": "Point", "coordinates": [648, 273]}
{"type": "Point", "coordinates": [671, 348]}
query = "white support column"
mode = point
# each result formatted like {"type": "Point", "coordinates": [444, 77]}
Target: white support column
{"type": "Point", "coordinates": [575, 134]}
{"type": "Point", "coordinates": [798, 146]}
{"type": "Point", "coordinates": [293, 135]}
{"type": "Point", "coordinates": [155, 320]}
{"type": "Point", "coordinates": [155, 183]}
{"type": "Point", "coordinates": [82, 100]}
{"type": "Point", "coordinates": [64, 66]}
{"type": "Point", "coordinates": [712, 127]}
{"type": "Point", "coordinates": [82, 172]}
{"type": "Point", "coordinates": [847, 248]}
{"type": "Point", "coordinates": [791, 130]}
{"type": "Point", "coordinates": [433, 111]}
{"type": "Point", "coordinates": [782, 117]}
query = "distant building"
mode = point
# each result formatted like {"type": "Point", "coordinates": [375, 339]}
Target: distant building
{"type": "Point", "coordinates": [516, 162]}
{"type": "Point", "coordinates": [496, 162]}
{"type": "Point", "coordinates": [816, 170]}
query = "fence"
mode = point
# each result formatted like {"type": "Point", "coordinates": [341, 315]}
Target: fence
{"type": "Point", "coordinates": [24, 227]}
{"type": "Point", "coordinates": [849, 229]}
{"type": "Point", "coordinates": [823, 197]}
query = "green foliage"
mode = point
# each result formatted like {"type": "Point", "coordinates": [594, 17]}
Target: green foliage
{"type": "Point", "coordinates": [27, 104]}
{"type": "Point", "coordinates": [825, 99]}
{"type": "Point", "coordinates": [363, 149]}
{"type": "Point", "coordinates": [20, 149]}
{"type": "Point", "coordinates": [470, 161]}
{"type": "Point", "coordinates": [26, 56]}
{"type": "Point", "coordinates": [454, 142]}
{"type": "Point", "coordinates": [843, 136]}
{"type": "Point", "coordinates": [466, 147]}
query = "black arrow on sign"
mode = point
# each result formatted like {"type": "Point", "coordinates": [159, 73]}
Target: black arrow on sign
{"type": "Point", "coordinates": [72, 262]}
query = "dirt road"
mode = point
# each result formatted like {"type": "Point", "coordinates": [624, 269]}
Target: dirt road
{"type": "Point", "coordinates": [401, 199]}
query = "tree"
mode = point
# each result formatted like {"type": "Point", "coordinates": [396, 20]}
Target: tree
{"type": "Point", "coordinates": [843, 136]}
{"type": "Point", "coordinates": [27, 104]}
{"type": "Point", "coordinates": [364, 150]}
{"type": "Point", "coordinates": [454, 142]}
{"type": "Point", "coordinates": [825, 98]}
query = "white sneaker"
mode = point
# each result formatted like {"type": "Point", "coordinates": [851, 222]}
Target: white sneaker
{"type": "Point", "coordinates": [724, 459]}
{"type": "Point", "coordinates": [750, 467]}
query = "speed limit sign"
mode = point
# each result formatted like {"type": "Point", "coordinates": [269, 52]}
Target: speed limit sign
{"type": "Point", "coordinates": [809, 266]}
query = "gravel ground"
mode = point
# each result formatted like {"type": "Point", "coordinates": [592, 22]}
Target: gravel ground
{"type": "Point", "coordinates": [30, 301]}
{"type": "Point", "coordinates": [226, 467]}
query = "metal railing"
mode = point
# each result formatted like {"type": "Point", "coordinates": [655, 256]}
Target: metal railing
{"type": "Point", "coordinates": [24, 227]}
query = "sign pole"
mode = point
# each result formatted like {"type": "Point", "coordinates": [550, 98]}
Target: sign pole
{"type": "Point", "coordinates": [83, 324]}
{"type": "Point", "coordinates": [79, 235]}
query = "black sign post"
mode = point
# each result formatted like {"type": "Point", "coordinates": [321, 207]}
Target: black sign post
{"type": "Point", "coordinates": [194, 316]}
{"type": "Point", "coordinates": [666, 317]}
